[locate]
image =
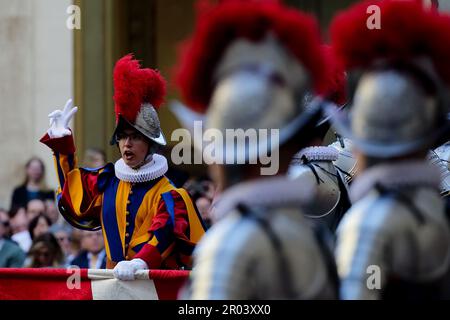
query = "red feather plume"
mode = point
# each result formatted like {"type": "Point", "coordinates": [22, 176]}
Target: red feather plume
{"type": "Point", "coordinates": [134, 86]}
{"type": "Point", "coordinates": [334, 87]}
{"type": "Point", "coordinates": [407, 31]}
{"type": "Point", "coordinates": [217, 26]}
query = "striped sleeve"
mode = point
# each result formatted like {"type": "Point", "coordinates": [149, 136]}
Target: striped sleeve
{"type": "Point", "coordinates": [63, 156]}
{"type": "Point", "coordinates": [169, 225]}
{"type": "Point", "coordinates": [78, 197]}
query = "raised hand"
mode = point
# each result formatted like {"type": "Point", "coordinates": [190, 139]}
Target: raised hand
{"type": "Point", "coordinates": [59, 121]}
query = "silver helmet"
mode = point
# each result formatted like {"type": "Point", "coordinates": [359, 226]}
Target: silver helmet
{"type": "Point", "coordinates": [391, 115]}
{"type": "Point", "coordinates": [397, 79]}
{"type": "Point", "coordinates": [146, 122]}
{"type": "Point", "coordinates": [250, 75]}
{"type": "Point", "coordinates": [137, 92]}
{"type": "Point", "coordinates": [259, 87]}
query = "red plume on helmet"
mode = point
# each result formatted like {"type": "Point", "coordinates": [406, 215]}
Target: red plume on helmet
{"type": "Point", "coordinates": [137, 93]}
{"type": "Point", "coordinates": [334, 85]}
{"type": "Point", "coordinates": [134, 86]}
{"type": "Point", "coordinates": [218, 26]}
{"type": "Point", "coordinates": [394, 42]}
{"type": "Point", "coordinates": [407, 31]}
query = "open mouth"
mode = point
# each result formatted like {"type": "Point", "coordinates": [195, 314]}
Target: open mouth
{"type": "Point", "coordinates": [128, 155]}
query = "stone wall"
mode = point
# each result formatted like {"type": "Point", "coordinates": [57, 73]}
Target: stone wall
{"type": "Point", "coordinates": [36, 76]}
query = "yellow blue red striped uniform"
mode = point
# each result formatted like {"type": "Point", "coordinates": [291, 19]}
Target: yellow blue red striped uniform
{"type": "Point", "coordinates": [154, 220]}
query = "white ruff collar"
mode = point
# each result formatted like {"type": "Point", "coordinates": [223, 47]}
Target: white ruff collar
{"type": "Point", "coordinates": [150, 171]}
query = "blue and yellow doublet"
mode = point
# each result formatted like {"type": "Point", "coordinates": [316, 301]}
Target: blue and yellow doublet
{"type": "Point", "coordinates": [153, 220]}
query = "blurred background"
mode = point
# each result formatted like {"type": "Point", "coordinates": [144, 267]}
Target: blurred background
{"type": "Point", "coordinates": [43, 63]}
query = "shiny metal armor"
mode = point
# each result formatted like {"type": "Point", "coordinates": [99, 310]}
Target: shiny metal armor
{"type": "Point", "coordinates": [440, 157]}
{"type": "Point", "coordinates": [237, 260]}
{"type": "Point", "coordinates": [317, 168]}
{"type": "Point", "coordinates": [346, 161]}
{"type": "Point", "coordinates": [388, 238]}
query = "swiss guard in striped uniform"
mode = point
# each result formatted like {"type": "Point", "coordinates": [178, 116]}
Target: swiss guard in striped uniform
{"type": "Point", "coordinates": [147, 222]}
{"type": "Point", "coordinates": [394, 242]}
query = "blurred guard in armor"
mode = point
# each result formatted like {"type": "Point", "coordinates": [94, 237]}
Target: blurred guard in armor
{"type": "Point", "coordinates": [440, 156]}
{"type": "Point", "coordinates": [147, 223]}
{"type": "Point", "coordinates": [316, 163]}
{"type": "Point", "coordinates": [346, 162]}
{"type": "Point", "coordinates": [248, 65]}
{"type": "Point", "coordinates": [394, 242]}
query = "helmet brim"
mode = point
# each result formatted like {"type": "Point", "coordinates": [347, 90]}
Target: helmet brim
{"type": "Point", "coordinates": [160, 139]}
{"type": "Point", "coordinates": [342, 123]}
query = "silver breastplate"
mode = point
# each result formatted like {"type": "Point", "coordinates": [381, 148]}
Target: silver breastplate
{"type": "Point", "coordinates": [327, 194]}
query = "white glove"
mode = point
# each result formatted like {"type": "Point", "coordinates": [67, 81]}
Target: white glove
{"type": "Point", "coordinates": [59, 121]}
{"type": "Point", "coordinates": [125, 270]}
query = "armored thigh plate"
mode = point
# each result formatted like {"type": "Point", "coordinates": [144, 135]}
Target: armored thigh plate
{"type": "Point", "coordinates": [440, 157]}
{"type": "Point", "coordinates": [327, 195]}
